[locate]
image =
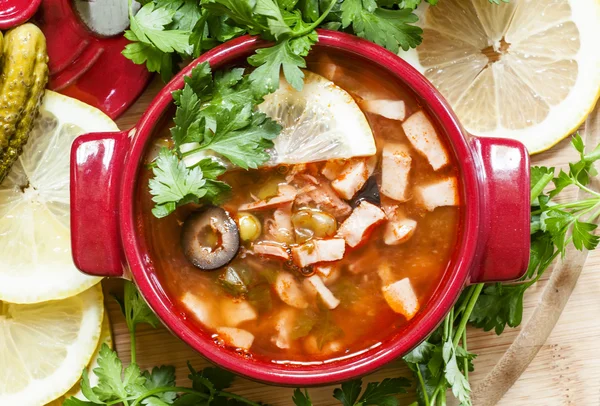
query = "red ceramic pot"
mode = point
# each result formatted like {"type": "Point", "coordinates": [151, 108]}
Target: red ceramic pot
{"type": "Point", "coordinates": [494, 242]}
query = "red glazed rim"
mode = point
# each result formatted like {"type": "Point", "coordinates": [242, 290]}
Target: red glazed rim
{"type": "Point", "coordinates": [343, 369]}
{"type": "Point", "coordinates": [16, 12]}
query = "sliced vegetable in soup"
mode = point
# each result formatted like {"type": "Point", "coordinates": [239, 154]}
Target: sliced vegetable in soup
{"type": "Point", "coordinates": [329, 246]}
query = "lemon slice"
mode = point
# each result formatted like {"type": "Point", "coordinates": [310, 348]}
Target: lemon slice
{"type": "Point", "coordinates": [526, 70]}
{"type": "Point", "coordinates": [75, 391]}
{"type": "Point", "coordinates": [320, 122]}
{"type": "Point", "coordinates": [45, 346]}
{"type": "Point", "coordinates": [35, 246]}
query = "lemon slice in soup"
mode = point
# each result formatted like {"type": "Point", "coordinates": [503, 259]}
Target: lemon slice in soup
{"type": "Point", "coordinates": [321, 122]}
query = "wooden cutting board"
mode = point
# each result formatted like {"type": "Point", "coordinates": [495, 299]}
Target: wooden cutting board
{"type": "Point", "coordinates": [565, 367]}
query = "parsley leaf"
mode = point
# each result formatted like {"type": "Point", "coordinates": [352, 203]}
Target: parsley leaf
{"type": "Point", "coordinates": [270, 61]}
{"type": "Point", "coordinates": [384, 393]}
{"type": "Point", "coordinates": [499, 305]}
{"type": "Point", "coordinates": [391, 29]}
{"type": "Point", "coordinates": [173, 183]}
{"type": "Point", "coordinates": [349, 392]}
{"type": "Point", "coordinates": [301, 398]}
{"type": "Point", "coordinates": [459, 384]}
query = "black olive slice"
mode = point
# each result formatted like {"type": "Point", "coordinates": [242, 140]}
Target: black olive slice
{"type": "Point", "coordinates": [210, 238]}
{"type": "Point", "coordinates": [369, 192]}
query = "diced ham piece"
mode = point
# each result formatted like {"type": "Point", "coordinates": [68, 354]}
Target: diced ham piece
{"type": "Point", "coordinates": [332, 168]}
{"type": "Point", "coordinates": [398, 231]}
{"type": "Point", "coordinates": [283, 217]}
{"type": "Point", "coordinates": [284, 327]}
{"type": "Point", "coordinates": [271, 249]}
{"type": "Point", "coordinates": [327, 68]}
{"type": "Point", "coordinates": [317, 251]}
{"type": "Point", "coordinates": [424, 138]}
{"type": "Point", "coordinates": [351, 179]}
{"type": "Point", "coordinates": [392, 109]}
{"type": "Point", "coordinates": [286, 194]}
{"type": "Point", "coordinates": [235, 312]}
{"type": "Point", "coordinates": [312, 346]}
{"type": "Point", "coordinates": [362, 219]}
{"type": "Point", "coordinates": [401, 297]}
{"type": "Point", "coordinates": [236, 337]}
{"type": "Point", "coordinates": [289, 291]}
{"type": "Point", "coordinates": [395, 168]}
{"type": "Point", "coordinates": [437, 194]}
{"type": "Point", "coordinates": [202, 310]}
{"type": "Point", "coordinates": [328, 298]}
{"type": "Point", "coordinates": [323, 197]}
{"type": "Point", "coordinates": [328, 273]}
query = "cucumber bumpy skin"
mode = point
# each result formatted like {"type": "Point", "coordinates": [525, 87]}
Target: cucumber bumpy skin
{"type": "Point", "coordinates": [22, 83]}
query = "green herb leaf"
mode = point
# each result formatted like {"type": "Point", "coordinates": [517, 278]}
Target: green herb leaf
{"type": "Point", "coordinates": [349, 392]}
{"type": "Point", "coordinates": [499, 305]}
{"type": "Point", "coordinates": [301, 398]}
{"type": "Point", "coordinates": [459, 384]}
{"type": "Point", "coordinates": [149, 26]}
{"type": "Point", "coordinates": [384, 393]}
{"type": "Point", "coordinates": [173, 182]}
{"type": "Point", "coordinates": [389, 28]}
{"type": "Point", "coordinates": [270, 61]}
{"type": "Point", "coordinates": [162, 376]}
{"type": "Point", "coordinates": [583, 235]}
{"type": "Point", "coordinates": [109, 370]}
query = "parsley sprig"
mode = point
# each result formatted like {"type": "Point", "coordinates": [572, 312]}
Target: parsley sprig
{"type": "Point", "coordinates": [215, 115]}
{"type": "Point", "coordinates": [442, 361]}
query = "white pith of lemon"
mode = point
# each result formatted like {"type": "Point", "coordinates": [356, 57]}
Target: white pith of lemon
{"type": "Point", "coordinates": [321, 122]}
{"type": "Point", "coordinates": [45, 346]}
{"type": "Point", "coordinates": [75, 391]}
{"type": "Point", "coordinates": [544, 75]}
{"type": "Point", "coordinates": [35, 247]}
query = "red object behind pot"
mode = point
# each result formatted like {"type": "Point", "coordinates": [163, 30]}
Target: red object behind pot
{"type": "Point", "coordinates": [494, 242]}
{"type": "Point", "coordinates": [87, 66]}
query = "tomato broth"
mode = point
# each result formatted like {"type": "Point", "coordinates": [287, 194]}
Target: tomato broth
{"type": "Point", "coordinates": [290, 306]}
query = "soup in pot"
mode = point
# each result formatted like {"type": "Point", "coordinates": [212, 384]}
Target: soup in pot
{"type": "Point", "coordinates": [315, 261]}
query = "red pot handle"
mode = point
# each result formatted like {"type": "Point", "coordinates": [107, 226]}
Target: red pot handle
{"type": "Point", "coordinates": [97, 164]}
{"type": "Point", "coordinates": [505, 210]}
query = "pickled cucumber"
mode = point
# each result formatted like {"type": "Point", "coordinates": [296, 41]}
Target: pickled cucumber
{"type": "Point", "coordinates": [22, 83]}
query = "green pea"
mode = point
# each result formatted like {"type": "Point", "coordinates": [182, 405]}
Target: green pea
{"type": "Point", "coordinates": [250, 227]}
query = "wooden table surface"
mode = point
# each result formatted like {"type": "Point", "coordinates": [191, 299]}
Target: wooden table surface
{"type": "Point", "coordinates": [566, 370]}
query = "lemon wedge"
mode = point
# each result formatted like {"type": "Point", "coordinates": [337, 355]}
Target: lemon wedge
{"type": "Point", "coordinates": [321, 122]}
{"type": "Point", "coordinates": [35, 246]}
{"type": "Point", "coordinates": [75, 391]}
{"type": "Point", "coordinates": [45, 346]}
{"type": "Point", "coordinates": [526, 70]}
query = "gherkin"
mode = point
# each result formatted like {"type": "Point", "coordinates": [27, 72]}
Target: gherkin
{"type": "Point", "coordinates": [22, 82]}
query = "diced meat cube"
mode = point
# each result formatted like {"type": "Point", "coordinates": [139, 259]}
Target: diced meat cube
{"type": "Point", "coordinates": [363, 218]}
{"type": "Point", "coordinates": [284, 327]}
{"type": "Point", "coordinates": [395, 168]}
{"type": "Point", "coordinates": [283, 217]}
{"type": "Point", "coordinates": [351, 179]}
{"type": "Point", "coordinates": [289, 291]}
{"type": "Point", "coordinates": [317, 251]}
{"type": "Point", "coordinates": [202, 310]}
{"type": "Point", "coordinates": [286, 194]}
{"type": "Point", "coordinates": [328, 273]}
{"type": "Point", "coordinates": [332, 168]}
{"type": "Point", "coordinates": [323, 197]}
{"type": "Point", "coordinates": [313, 346]}
{"type": "Point", "coordinates": [441, 193]}
{"type": "Point", "coordinates": [392, 109]}
{"type": "Point", "coordinates": [235, 312]}
{"type": "Point", "coordinates": [236, 337]}
{"type": "Point", "coordinates": [371, 164]}
{"type": "Point", "coordinates": [328, 298]}
{"type": "Point", "coordinates": [327, 68]}
{"type": "Point", "coordinates": [401, 297]}
{"type": "Point", "coordinates": [398, 231]}
{"type": "Point", "coordinates": [424, 138]}
{"type": "Point", "coordinates": [271, 249]}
